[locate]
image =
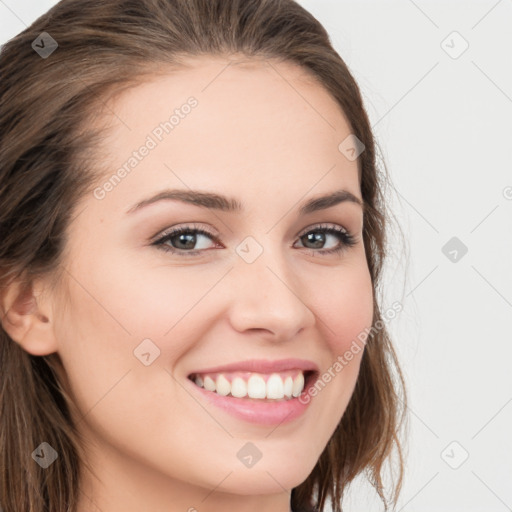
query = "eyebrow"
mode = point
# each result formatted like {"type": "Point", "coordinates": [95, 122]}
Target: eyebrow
{"type": "Point", "coordinates": [232, 205]}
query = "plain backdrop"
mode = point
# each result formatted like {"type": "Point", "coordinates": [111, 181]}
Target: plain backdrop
{"type": "Point", "coordinates": [436, 78]}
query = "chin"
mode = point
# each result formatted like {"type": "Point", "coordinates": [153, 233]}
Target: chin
{"type": "Point", "coordinates": [268, 480]}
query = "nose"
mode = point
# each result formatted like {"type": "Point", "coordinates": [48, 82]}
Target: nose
{"type": "Point", "coordinates": [266, 296]}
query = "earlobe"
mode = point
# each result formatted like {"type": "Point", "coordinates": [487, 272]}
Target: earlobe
{"type": "Point", "coordinates": [26, 319]}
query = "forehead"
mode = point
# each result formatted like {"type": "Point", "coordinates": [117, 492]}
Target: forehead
{"type": "Point", "coordinates": [254, 124]}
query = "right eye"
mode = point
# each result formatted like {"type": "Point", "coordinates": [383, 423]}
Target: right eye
{"type": "Point", "coordinates": [187, 237]}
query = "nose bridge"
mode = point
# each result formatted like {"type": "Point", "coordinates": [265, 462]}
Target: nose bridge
{"type": "Point", "coordinates": [266, 294]}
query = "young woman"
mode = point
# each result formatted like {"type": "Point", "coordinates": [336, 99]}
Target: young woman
{"type": "Point", "coordinates": [192, 232]}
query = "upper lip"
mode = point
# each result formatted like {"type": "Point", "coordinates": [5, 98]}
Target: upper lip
{"type": "Point", "coordinates": [263, 366]}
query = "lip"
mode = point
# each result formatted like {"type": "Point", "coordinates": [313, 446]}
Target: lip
{"type": "Point", "coordinates": [258, 411]}
{"type": "Point", "coordinates": [262, 366]}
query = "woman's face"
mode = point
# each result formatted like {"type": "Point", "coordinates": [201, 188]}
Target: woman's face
{"type": "Point", "coordinates": [141, 317]}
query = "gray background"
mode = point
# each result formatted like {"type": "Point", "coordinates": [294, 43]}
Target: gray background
{"type": "Point", "coordinates": [442, 121]}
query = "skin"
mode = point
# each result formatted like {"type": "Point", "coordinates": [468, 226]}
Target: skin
{"type": "Point", "coordinates": [272, 144]}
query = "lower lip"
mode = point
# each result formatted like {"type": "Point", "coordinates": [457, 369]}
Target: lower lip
{"type": "Point", "coordinates": [257, 410]}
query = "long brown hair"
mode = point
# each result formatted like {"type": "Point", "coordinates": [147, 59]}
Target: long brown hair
{"type": "Point", "coordinates": [47, 105]}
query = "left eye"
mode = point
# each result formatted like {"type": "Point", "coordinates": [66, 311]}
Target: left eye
{"type": "Point", "coordinates": [182, 240]}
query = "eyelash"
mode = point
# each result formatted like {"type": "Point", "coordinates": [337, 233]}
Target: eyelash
{"type": "Point", "coordinates": [347, 239]}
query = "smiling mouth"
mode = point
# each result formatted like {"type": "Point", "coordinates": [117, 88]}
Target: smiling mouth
{"type": "Point", "coordinates": [271, 387]}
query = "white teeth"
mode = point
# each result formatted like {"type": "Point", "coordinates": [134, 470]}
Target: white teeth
{"type": "Point", "coordinates": [275, 388]}
{"type": "Point", "coordinates": [288, 387]}
{"type": "Point", "coordinates": [223, 387]}
{"type": "Point", "coordinates": [298, 385]}
{"type": "Point", "coordinates": [209, 384]}
{"type": "Point", "coordinates": [238, 387]}
{"type": "Point", "coordinates": [256, 387]}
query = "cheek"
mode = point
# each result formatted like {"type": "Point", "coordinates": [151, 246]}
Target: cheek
{"type": "Point", "coordinates": [346, 313]}
{"type": "Point", "coordinates": [345, 309]}
{"type": "Point", "coordinates": [93, 345]}
{"type": "Point", "coordinates": [116, 394]}
{"type": "Point", "coordinates": [106, 322]}
{"type": "Point", "coordinates": [153, 300]}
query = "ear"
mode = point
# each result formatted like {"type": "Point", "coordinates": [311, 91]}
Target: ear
{"type": "Point", "coordinates": [26, 317]}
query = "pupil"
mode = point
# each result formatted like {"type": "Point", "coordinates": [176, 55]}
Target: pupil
{"type": "Point", "coordinates": [316, 238]}
{"type": "Point", "coordinates": [190, 238]}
